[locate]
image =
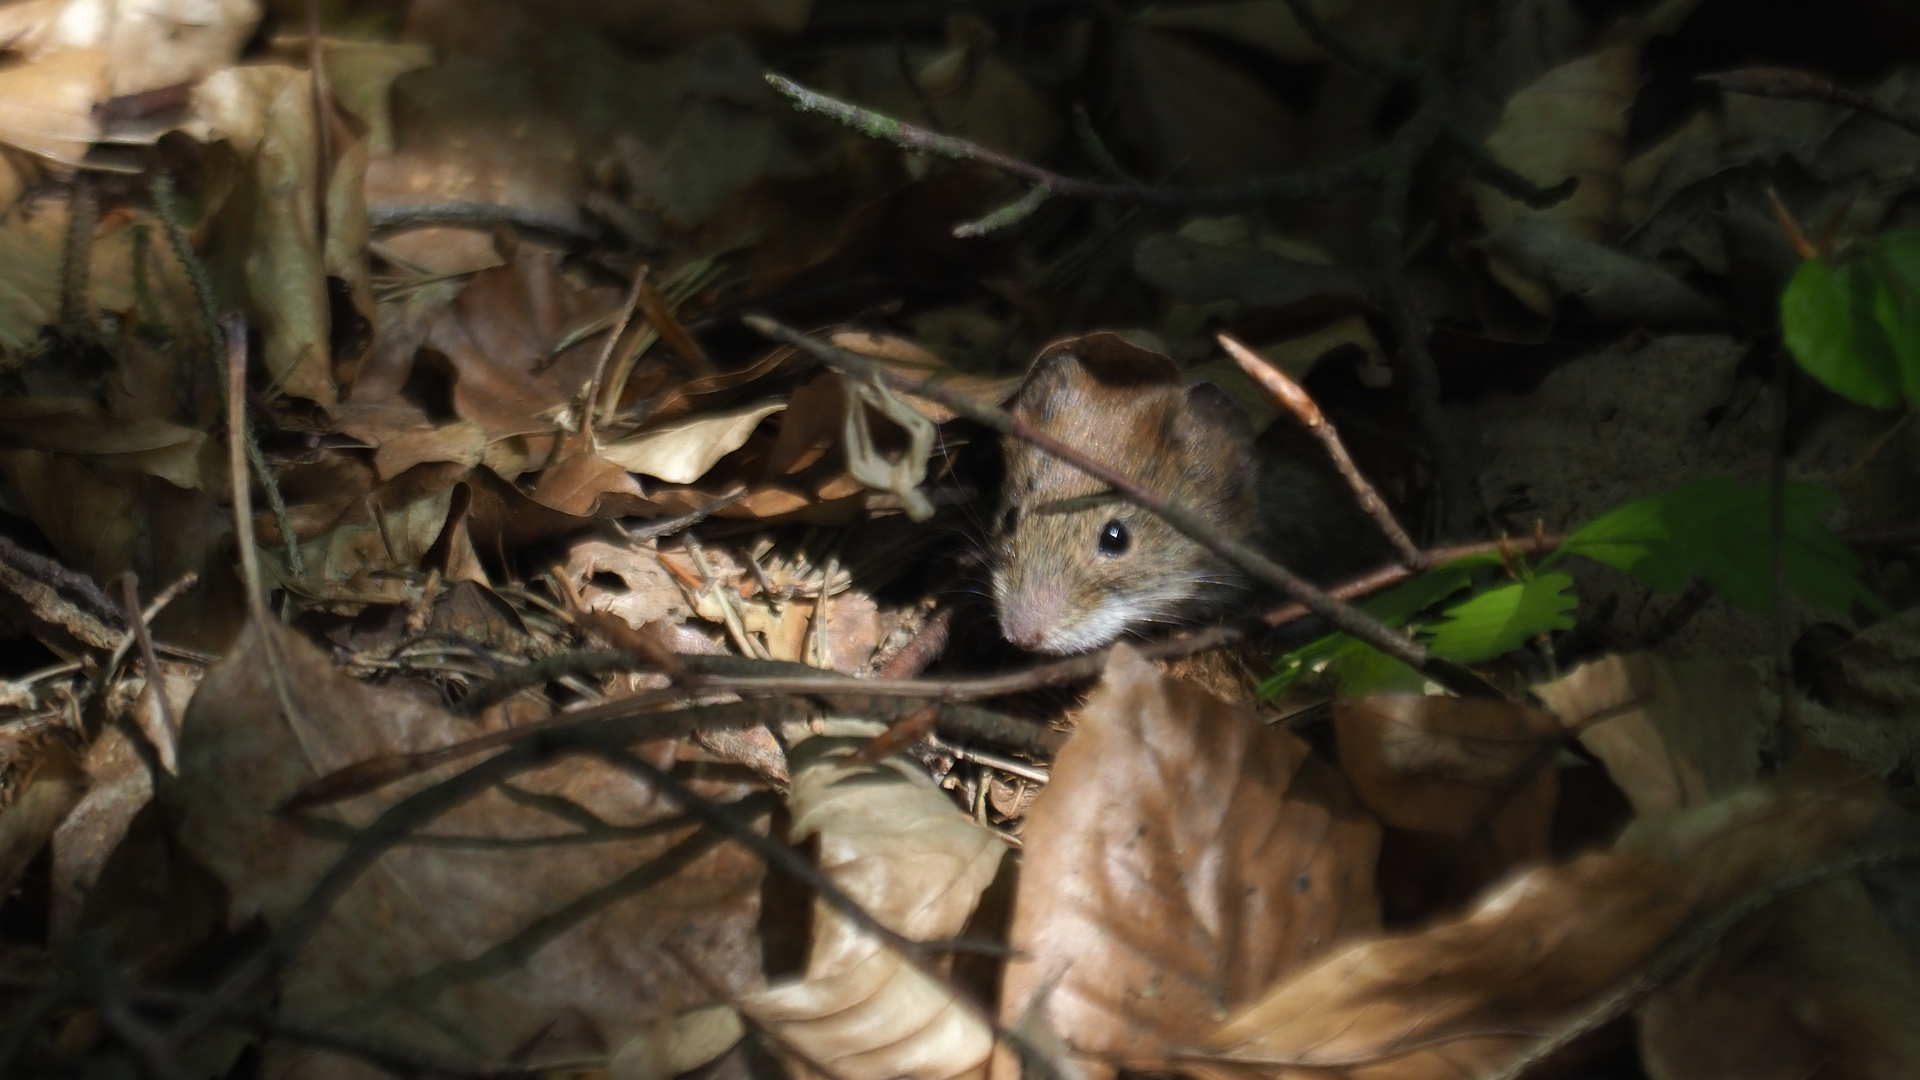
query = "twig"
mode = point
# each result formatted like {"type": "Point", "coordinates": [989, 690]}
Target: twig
{"type": "Point", "coordinates": [1791, 85]}
{"type": "Point", "coordinates": [669, 526]}
{"type": "Point", "coordinates": [1006, 217]}
{"type": "Point", "coordinates": [1317, 183]}
{"type": "Point", "coordinates": [1189, 524]}
{"type": "Point", "coordinates": [250, 575]}
{"type": "Point", "coordinates": [539, 672]}
{"type": "Point", "coordinates": [592, 389]}
{"type": "Point", "coordinates": [392, 217]}
{"type": "Point", "coordinates": [54, 573]}
{"type": "Point", "coordinates": [1289, 394]}
{"type": "Point", "coordinates": [926, 646]}
{"type": "Point", "coordinates": [1677, 956]}
{"type": "Point", "coordinates": [166, 739]}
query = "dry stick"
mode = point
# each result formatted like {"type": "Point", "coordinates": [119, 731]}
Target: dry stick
{"type": "Point", "coordinates": [1245, 556]}
{"type": "Point", "coordinates": [250, 576]}
{"type": "Point", "coordinates": [166, 741]}
{"type": "Point", "coordinates": [57, 575]}
{"type": "Point", "coordinates": [1786, 83]}
{"type": "Point", "coordinates": [673, 331]}
{"type": "Point", "coordinates": [613, 339]}
{"type": "Point", "coordinates": [1695, 945]}
{"type": "Point", "coordinates": [1290, 394]}
{"type": "Point", "coordinates": [1317, 183]}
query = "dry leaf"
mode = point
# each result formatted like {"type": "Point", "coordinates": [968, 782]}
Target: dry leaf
{"type": "Point", "coordinates": [1672, 735]}
{"type": "Point", "coordinates": [179, 455]}
{"type": "Point", "coordinates": [47, 790]}
{"type": "Point", "coordinates": [905, 853]}
{"type": "Point", "coordinates": [387, 957]}
{"type": "Point", "coordinates": [1815, 986]}
{"type": "Point", "coordinates": [1181, 859]}
{"type": "Point", "coordinates": [1611, 284]}
{"type": "Point", "coordinates": [1467, 996]}
{"type": "Point", "coordinates": [46, 107]}
{"type": "Point", "coordinates": [682, 451]}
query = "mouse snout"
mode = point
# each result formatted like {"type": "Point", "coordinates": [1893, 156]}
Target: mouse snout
{"type": "Point", "coordinates": [1028, 614]}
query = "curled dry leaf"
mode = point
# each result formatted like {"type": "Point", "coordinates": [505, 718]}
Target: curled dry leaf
{"type": "Point", "coordinates": [682, 451]}
{"type": "Point", "coordinates": [1468, 996]}
{"type": "Point", "coordinates": [389, 956]}
{"type": "Point", "coordinates": [46, 792]}
{"type": "Point", "coordinates": [1612, 285]}
{"type": "Point", "coordinates": [1476, 772]}
{"type": "Point", "coordinates": [1181, 859]}
{"type": "Point", "coordinates": [1671, 734]}
{"type": "Point", "coordinates": [70, 426]}
{"type": "Point", "coordinates": [900, 848]}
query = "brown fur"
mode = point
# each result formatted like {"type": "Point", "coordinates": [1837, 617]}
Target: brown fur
{"type": "Point", "coordinates": [1057, 592]}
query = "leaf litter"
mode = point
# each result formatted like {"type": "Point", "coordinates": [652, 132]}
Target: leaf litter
{"type": "Point", "coordinates": [524, 478]}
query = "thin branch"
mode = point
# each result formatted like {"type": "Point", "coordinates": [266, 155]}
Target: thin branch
{"type": "Point", "coordinates": [165, 740]}
{"type": "Point", "coordinates": [1295, 399]}
{"type": "Point", "coordinates": [250, 575]}
{"type": "Point", "coordinates": [1314, 184]}
{"type": "Point", "coordinates": [1685, 951]}
{"type": "Point", "coordinates": [1791, 85]}
{"type": "Point", "coordinates": [1188, 523]}
{"type": "Point", "coordinates": [1007, 216]}
{"type": "Point", "coordinates": [54, 573]}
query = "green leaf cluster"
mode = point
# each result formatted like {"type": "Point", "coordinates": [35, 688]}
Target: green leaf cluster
{"type": "Point", "coordinates": [1722, 530]}
{"type": "Point", "coordinates": [1855, 325]}
{"type": "Point", "coordinates": [1718, 529]}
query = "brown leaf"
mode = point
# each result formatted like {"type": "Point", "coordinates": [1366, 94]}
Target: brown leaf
{"type": "Point", "coordinates": [682, 451]}
{"type": "Point", "coordinates": [389, 944]}
{"type": "Point", "coordinates": [1182, 858]}
{"type": "Point", "coordinates": [1672, 735]}
{"type": "Point", "coordinates": [46, 107]}
{"type": "Point", "coordinates": [1475, 780]}
{"type": "Point", "coordinates": [1815, 986]}
{"type": "Point", "coordinates": [1466, 996]}
{"type": "Point", "coordinates": [1441, 764]}
{"type": "Point", "coordinates": [507, 339]}
{"type": "Point", "coordinates": [589, 486]}
{"type": "Point", "coordinates": [47, 790]}
{"type": "Point", "coordinates": [905, 853]}
{"type": "Point", "coordinates": [267, 229]}
{"type": "Point", "coordinates": [1610, 284]}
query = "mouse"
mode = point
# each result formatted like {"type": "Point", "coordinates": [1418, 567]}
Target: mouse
{"type": "Point", "coordinates": [1073, 567]}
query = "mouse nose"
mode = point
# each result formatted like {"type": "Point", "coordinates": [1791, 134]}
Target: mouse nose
{"type": "Point", "coordinates": [1029, 615]}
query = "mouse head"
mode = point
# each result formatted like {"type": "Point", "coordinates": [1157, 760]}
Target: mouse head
{"type": "Point", "coordinates": [1074, 566]}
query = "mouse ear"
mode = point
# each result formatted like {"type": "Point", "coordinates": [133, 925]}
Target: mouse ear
{"type": "Point", "coordinates": [1104, 357]}
{"type": "Point", "coordinates": [1214, 426]}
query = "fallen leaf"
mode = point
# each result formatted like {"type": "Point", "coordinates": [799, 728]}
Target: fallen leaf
{"type": "Point", "coordinates": [1181, 859]}
{"type": "Point", "coordinates": [1671, 734]}
{"type": "Point", "coordinates": [900, 848]}
{"type": "Point", "coordinates": [682, 451]}
{"type": "Point", "coordinates": [1468, 996]}
{"type": "Point", "coordinates": [396, 954]}
{"type": "Point", "coordinates": [47, 790]}
{"type": "Point", "coordinates": [1612, 285]}
{"type": "Point", "coordinates": [462, 441]}
{"type": "Point", "coordinates": [182, 456]}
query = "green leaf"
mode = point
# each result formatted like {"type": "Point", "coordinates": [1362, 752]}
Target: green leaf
{"type": "Point", "coordinates": [1365, 670]}
{"type": "Point", "coordinates": [1393, 607]}
{"type": "Point", "coordinates": [1503, 618]}
{"type": "Point", "coordinates": [1896, 303]}
{"type": "Point", "coordinates": [1722, 530]}
{"type": "Point", "coordinates": [1827, 318]}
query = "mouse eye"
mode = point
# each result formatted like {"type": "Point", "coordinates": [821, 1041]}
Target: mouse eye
{"type": "Point", "coordinates": [1008, 518]}
{"type": "Point", "coordinates": [1114, 538]}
